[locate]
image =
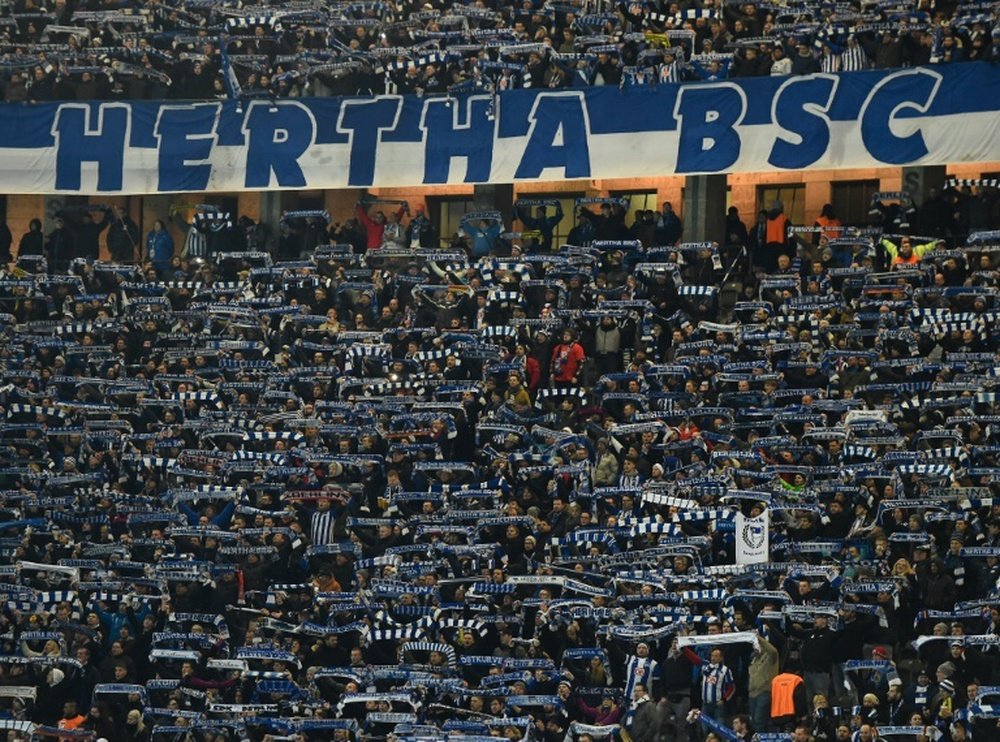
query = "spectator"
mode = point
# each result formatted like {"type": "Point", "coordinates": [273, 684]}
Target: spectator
{"type": "Point", "coordinates": [781, 65]}
{"type": "Point", "coordinates": [484, 235]}
{"type": "Point", "coordinates": [788, 700]}
{"type": "Point", "coordinates": [541, 222]}
{"type": "Point", "coordinates": [645, 717]}
{"type": "Point", "coordinates": [804, 62]}
{"type": "Point", "coordinates": [567, 361]}
{"type": "Point", "coordinates": [421, 232]}
{"type": "Point", "coordinates": [71, 717]}
{"type": "Point", "coordinates": [607, 347]}
{"type": "Point", "coordinates": [33, 241]}
{"type": "Point", "coordinates": [86, 235]}
{"type": "Point", "coordinates": [6, 240]}
{"type": "Point", "coordinates": [827, 225]}
{"type": "Point", "coordinates": [160, 247]}
{"type": "Point", "coordinates": [777, 242]}
{"type": "Point", "coordinates": [906, 253]}
{"type": "Point", "coordinates": [717, 684]}
{"type": "Point", "coordinates": [764, 667]}
{"type": "Point", "coordinates": [59, 249]}
{"type": "Point", "coordinates": [375, 226]}
{"type": "Point", "coordinates": [668, 227]}
{"type": "Point", "coordinates": [123, 236]}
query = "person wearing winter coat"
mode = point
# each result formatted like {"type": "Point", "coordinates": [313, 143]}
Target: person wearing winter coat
{"type": "Point", "coordinates": [59, 247]}
{"type": "Point", "coordinates": [33, 241]}
{"type": "Point", "coordinates": [160, 247]}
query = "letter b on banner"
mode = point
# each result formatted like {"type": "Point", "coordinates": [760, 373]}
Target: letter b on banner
{"type": "Point", "coordinates": [707, 117]}
{"type": "Point", "coordinates": [752, 539]}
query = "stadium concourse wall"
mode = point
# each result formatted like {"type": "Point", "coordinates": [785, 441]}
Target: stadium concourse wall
{"type": "Point", "coordinates": [745, 189]}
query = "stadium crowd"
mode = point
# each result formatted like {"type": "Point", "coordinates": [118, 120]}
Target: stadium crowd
{"type": "Point", "coordinates": [347, 484]}
{"type": "Point", "coordinates": [204, 49]}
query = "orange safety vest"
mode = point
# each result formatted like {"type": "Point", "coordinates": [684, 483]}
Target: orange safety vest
{"type": "Point", "coordinates": [824, 223]}
{"type": "Point", "coordinates": [776, 231]}
{"type": "Point", "coordinates": [783, 694]}
{"type": "Point", "coordinates": [900, 260]}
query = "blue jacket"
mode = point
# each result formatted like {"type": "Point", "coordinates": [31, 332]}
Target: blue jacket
{"type": "Point", "coordinates": [483, 240]}
{"type": "Point", "coordinates": [160, 248]}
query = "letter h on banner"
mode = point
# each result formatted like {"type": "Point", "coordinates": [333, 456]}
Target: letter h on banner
{"type": "Point", "coordinates": [77, 142]}
{"type": "Point", "coordinates": [445, 138]}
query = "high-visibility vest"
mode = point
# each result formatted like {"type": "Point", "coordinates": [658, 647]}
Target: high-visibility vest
{"type": "Point", "coordinates": [824, 223]}
{"type": "Point", "coordinates": [783, 694]}
{"type": "Point", "coordinates": [900, 260]}
{"type": "Point", "coordinates": [776, 231]}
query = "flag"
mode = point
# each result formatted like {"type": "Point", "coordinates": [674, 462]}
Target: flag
{"type": "Point", "coordinates": [752, 539]}
{"type": "Point", "coordinates": [233, 86]}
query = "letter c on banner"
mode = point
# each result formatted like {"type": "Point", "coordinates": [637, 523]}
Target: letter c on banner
{"type": "Point", "coordinates": [910, 89]}
{"type": "Point", "coordinates": [707, 118]}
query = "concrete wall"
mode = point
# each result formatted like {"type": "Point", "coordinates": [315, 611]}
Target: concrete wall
{"type": "Point", "coordinates": [340, 203]}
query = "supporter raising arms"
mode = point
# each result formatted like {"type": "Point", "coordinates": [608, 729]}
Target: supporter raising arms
{"type": "Point", "coordinates": [375, 226]}
{"type": "Point", "coordinates": [541, 221]}
{"type": "Point", "coordinates": [342, 495]}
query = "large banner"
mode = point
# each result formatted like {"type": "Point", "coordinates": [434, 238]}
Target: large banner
{"type": "Point", "coordinates": [922, 116]}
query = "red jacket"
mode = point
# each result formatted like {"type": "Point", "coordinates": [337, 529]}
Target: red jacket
{"type": "Point", "coordinates": [373, 229]}
{"type": "Point", "coordinates": [566, 361]}
{"type": "Point", "coordinates": [534, 373]}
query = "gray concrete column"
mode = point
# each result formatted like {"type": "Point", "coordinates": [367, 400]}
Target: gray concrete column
{"type": "Point", "coordinates": [918, 182]}
{"type": "Point", "coordinates": [705, 208]}
{"type": "Point", "coordinates": [271, 208]}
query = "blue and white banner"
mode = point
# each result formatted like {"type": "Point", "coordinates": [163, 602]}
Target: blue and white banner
{"type": "Point", "coordinates": [921, 116]}
{"type": "Point", "coordinates": [752, 539]}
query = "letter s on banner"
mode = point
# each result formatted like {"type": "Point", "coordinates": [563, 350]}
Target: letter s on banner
{"type": "Point", "coordinates": [800, 107]}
